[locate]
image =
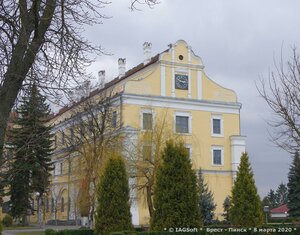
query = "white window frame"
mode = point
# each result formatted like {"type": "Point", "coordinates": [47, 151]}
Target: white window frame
{"type": "Point", "coordinates": [216, 147]}
{"type": "Point", "coordinates": [149, 111]}
{"type": "Point", "coordinates": [183, 114]}
{"type": "Point", "coordinates": [219, 117]}
{"type": "Point", "coordinates": [189, 146]}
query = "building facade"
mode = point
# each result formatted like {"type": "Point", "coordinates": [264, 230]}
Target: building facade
{"type": "Point", "coordinates": [172, 84]}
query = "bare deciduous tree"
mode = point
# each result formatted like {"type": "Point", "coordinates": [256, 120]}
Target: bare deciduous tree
{"type": "Point", "coordinates": [42, 40]}
{"type": "Point", "coordinates": [282, 94]}
{"type": "Point", "coordinates": [150, 144]}
{"type": "Point", "coordinates": [94, 132]}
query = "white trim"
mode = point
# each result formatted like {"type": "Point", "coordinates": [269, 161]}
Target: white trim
{"type": "Point", "coordinates": [189, 146]}
{"type": "Point", "coordinates": [173, 72]}
{"type": "Point", "coordinates": [146, 110]}
{"type": "Point", "coordinates": [218, 117]}
{"type": "Point", "coordinates": [162, 80]}
{"type": "Point", "coordinates": [189, 54]}
{"type": "Point", "coordinates": [199, 84]}
{"type": "Point", "coordinates": [190, 84]}
{"type": "Point", "coordinates": [183, 114]}
{"type": "Point", "coordinates": [183, 104]}
{"type": "Point", "coordinates": [217, 147]}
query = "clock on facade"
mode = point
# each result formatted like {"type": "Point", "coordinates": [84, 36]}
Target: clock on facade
{"type": "Point", "coordinates": [181, 81]}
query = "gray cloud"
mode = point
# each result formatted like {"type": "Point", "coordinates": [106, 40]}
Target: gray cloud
{"type": "Point", "coordinates": [237, 40]}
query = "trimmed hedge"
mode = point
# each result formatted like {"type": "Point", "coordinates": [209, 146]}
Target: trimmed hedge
{"type": "Point", "coordinates": [204, 232]}
{"type": "Point", "coordinates": [7, 221]}
{"type": "Point", "coordinates": [69, 232]}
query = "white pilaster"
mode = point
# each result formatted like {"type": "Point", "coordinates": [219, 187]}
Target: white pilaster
{"type": "Point", "coordinates": [199, 84]}
{"type": "Point", "coordinates": [173, 71]}
{"type": "Point", "coordinates": [162, 80]}
{"type": "Point", "coordinates": [190, 84]}
{"type": "Point", "coordinates": [238, 147]}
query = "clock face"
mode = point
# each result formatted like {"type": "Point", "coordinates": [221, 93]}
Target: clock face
{"type": "Point", "coordinates": [181, 82]}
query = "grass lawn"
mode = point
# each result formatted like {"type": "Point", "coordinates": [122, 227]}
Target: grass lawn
{"type": "Point", "coordinates": [31, 233]}
{"type": "Point", "coordinates": [15, 227]}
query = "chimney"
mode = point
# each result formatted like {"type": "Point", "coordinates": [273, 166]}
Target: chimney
{"type": "Point", "coordinates": [122, 67]}
{"type": "Point", "coordinates": [147, 46]}
{"type": "Point", "coordinates": [101, 78]}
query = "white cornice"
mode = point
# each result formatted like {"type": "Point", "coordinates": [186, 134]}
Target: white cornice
{"type": "Point", "coordinates": [182, 104]}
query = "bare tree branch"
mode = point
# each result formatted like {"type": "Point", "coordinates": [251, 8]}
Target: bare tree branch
{"type": "Point", "coordinates": [282, 94]}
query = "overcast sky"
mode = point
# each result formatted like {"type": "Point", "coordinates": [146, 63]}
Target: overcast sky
{"type": "Point", "coordinates": [237, 41]}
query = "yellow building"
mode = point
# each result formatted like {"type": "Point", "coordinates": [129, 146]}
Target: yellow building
{"type": "Point", "coordinates": [204, 113]}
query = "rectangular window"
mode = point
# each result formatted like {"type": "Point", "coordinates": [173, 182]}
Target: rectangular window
{"type": "Point", "coordinates": [217, 157]}
{"type": "Point", "coordinates": [47, 204]}
{"type": "Point", "coordinates": [114, 119]}
{"type": "Point", "coordinates": [72, 135]}
{"type": "Point", "coordinates": [82, 130]}
{"type": "Point", "coordinates": [147, 153]}
{"type": "Point", "coordinates": [54, 168]}
{"type": "Point", "coordinates": [188, 151]}
{"type": "Point", "coordinates": [61, 167]}
{"type": "Point", "coordinates": [182, 124]}
{"type": "Point", "coordinates": [91, 128]}
{"type": "Point", "coordinates": [55, 141]}
{"type": "Point", "coordinates": [217, 126]}
{"type": "Point", "coordinates": [147, 121]}
{"type": "Point", "coordinates": [62, 138]}
{"type": "Point", "coordinates": [52, 204]}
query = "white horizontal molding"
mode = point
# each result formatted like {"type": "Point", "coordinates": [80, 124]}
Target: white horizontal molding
{"type": "Point", "coordinates": [177, 64]}
{"type": "Point", "coordinates": [182, 104]}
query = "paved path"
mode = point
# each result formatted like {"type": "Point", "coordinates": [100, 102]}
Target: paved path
{"type": "Point", "coordinates": [36, 229]}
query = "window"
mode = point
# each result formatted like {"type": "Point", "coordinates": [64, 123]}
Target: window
{"type": "Point", "coordinates": [55, 141]}
{"type": "Point", "coordinates": [52, 205]}
{"type": "Point", "coordinates": [62, 137]}
{"type": "Point", "coordinates": [69, 204]}
{"type": "Point", "coordinates": [47, 204]}
{"type": "Point", "coordinates": [72, 135]}
{"type": "Point", "coordinates": [147, 121]}
{"type": "Point", "coordinates": [91, 128]}
{"type": "Point", "coordinates": [217, 156]}
{"type": "Point", "coordinates": [114, 119]}
{"type": "Point", "coordinates": [147, 152]}
{"type": "Point", "coordinates": [82, 130]}
{"type": "Point", "coordinates": [54, 168]}
{"type": "Point", "coordinates": [182, 124]}
{"type": "Point", "coordinates": [61, 167]}
{"type": "Point", "coordinates": [217, 125]}
{"type": "Point", "coordinates": [62, 209]}
{"type": "Point", "coordinates": [188, 147]}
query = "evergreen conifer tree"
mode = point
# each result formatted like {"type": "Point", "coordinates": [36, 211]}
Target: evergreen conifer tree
{"type": "Point", "coordinates": [226, 207]}
{"type": "Point", "coordinates": [294, 187]}
{"type": "Point", "coordinates": [206, 202]}
{"type": "Point", "coordinates": [175, 193]}
{"type": "Point", "coordinates": [113, 210]}
{"type": "Point", "coordinates": [31, 142]}
{"type": "Point", "coordinates": [246, 208]}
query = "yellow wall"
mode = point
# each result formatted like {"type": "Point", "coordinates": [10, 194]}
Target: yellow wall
{"type": "Point", "coordinates": [147, 84]}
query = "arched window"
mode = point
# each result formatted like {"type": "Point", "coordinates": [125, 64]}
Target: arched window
{"type": "Point", "coordinates": [62, 209]}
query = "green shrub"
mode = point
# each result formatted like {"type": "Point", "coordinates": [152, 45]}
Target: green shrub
{"type": "Point", "coordinates": [69, 232]}
{"type": "Point", "coordinates": [7, 221]}
{"type": "Point", "coordinates": [0, 228]}
{"type": "Point", "coordinates": [50, 232]}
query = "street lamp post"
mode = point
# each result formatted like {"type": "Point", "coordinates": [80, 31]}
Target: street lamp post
{"type": "Point", "coordinates": [266, 210]}
{"type": "Point", "coordinates": [38, 208]}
